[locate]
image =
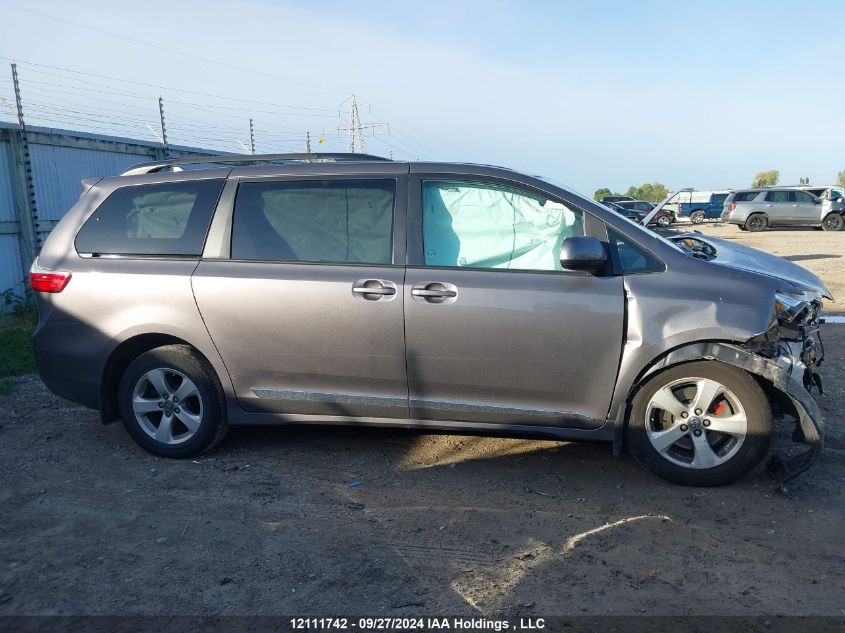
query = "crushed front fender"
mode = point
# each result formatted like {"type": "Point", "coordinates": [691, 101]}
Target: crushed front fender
{"type": "Point", "coordinates": [810, 420]}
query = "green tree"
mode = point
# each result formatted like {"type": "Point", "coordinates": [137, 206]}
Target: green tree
{"type": "Point", "coordinates": [650, 191]}
{"type": "Point", "coordinates": [601, 193]}
{"type": "Point", "coordinates": [840, 179]}
{"type": "Point", "coordinates": [766, 178]}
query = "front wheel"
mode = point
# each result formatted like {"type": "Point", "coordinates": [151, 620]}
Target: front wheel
{"type": "Point", "coordinates": [664, 221]}
{"type": "Point", "coordinates": [702, 423]}
{"type": "Point", "coordinates": [171, 402]}
{"type": "Point", "coordinates": [833, 222]}
{"type": "Point", "coordinates": [697, 217]}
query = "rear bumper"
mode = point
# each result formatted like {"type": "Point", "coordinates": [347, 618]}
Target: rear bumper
{"type": "Point", "coordinates": [70, 361]}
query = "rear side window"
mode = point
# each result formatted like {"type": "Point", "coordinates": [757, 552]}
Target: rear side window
{"type": "Point", "coordinates": [333, 221]}
{"type": "Point", "coordinates": [745, 196]}
{"type": "Point", "coordinates": [488, 225]}
{"type": "Point", "coordinates": [158, 219]}
{"type": "Point", "coordinates": [778, 196]}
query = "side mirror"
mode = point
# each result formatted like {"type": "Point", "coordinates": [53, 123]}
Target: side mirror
{"type": "Point", "coordinates": [816, 201]}
{"type": "Point", "coordinates": [583, 253]}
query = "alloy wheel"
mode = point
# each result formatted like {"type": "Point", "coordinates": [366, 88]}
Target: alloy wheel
{"type": "Point", "coordinates": [696, 423]}
{"type": "Point", "coordinates": [167, 406]}
{"type": "Point", "coordinates": [833, 222]}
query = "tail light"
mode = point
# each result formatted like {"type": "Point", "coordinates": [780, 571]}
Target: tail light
{"type": "Point", "coordinates": [732, 206]}
{"type": "Point", "coordinates": [44, 280]}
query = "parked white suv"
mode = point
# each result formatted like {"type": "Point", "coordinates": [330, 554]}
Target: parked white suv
{"type": "Point", "coordinates": [758, 209]}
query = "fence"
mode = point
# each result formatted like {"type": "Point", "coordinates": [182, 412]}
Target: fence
{"type": "Point", "coordinates": [34, 197]}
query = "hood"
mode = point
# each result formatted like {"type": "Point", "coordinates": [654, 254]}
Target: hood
{"type": "Point", "coordinates": [735, 255]}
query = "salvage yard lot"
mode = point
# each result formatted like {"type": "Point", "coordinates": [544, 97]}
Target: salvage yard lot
{"type": "Point", "coordinates": [384, 522]}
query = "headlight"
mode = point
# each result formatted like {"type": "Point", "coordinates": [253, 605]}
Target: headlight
{"type": "Point", "coordinates": [788, 306]}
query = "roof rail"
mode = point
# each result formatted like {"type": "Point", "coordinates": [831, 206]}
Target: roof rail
{"type": "Point", "coordinates": [247, 159]}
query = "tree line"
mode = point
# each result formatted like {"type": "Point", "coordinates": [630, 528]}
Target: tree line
{"type": "Point", "coordinates": [655, 191]}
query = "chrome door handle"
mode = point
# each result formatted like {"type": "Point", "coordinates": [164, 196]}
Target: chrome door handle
{"type": "Point", "coordinates": [364, 290]}
{"type": "Point", "coordinates": [434, 292]}
{"type": "Point", "coordinates": [373, 289]}
{"type": "Point", "coordinates": [424, 292]}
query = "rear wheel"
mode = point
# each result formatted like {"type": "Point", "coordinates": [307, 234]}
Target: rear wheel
{"type": "Point", "coordinates": [664, 221]}
{"type": "Point", "coordinates": [833, 222]}
{"type": "Point", "coordinates": [697, 217]}
{"type": "Point", "coordinates": [757, 223]}
{"type": "Point", "coordinates": [701, 424]}
{"type": "Point", "coordinates": [171, 402]}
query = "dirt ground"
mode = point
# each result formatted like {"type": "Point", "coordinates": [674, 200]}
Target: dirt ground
{"type": "Point", "coordinates": [820, 252]}
{"type": "Point", "coordinates": [380, 522]}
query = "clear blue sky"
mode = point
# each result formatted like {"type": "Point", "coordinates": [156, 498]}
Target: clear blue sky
{"type": "Point", "coordinates": [588, 93]}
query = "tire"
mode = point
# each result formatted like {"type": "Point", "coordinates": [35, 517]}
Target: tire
{"type": "Point", "coordinates": [664, 221]}
{"type": "Point", "coordinates": [756, 223]}
{"type": "Point", "coordinates": [741, 227]}
{"type": "Point", "coordinates": [711, 457]}
{"type": "Point", "coordinates": [171, 402]}
{"type": "Point", "coordinates": [833, 222]}
{"type": "Point", "coordinates": [696, 217]}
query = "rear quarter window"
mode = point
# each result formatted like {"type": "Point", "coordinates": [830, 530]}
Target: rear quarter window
{"type": "Point", "coordinates": [745, 196]}
{"type": "Point", "coordinates": [156, 219]}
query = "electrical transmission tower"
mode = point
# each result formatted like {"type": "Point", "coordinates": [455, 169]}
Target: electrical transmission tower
{"type": "Point", "coordinates": [355, 140]}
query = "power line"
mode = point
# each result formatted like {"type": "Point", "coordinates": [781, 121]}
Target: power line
{"type": "Point", "coordinates": [171, 50]}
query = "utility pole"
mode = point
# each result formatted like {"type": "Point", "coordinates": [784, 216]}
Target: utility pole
{"type": "Point", "coordinates": [28, 212]}
{"type": "Point", "coordinates": [163, 129]}
{"type": "Point", "coordinates": [251, 137]}
{"type": "Point", "coordinates": [355, 140]}
{"type": "Point", "coordinates": [307, 142]}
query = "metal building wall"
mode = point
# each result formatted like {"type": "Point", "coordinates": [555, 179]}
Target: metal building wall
{"type": "Point", "coordinates": [10, 254]}
{"type": "Point", "coordinates": [59, 161]}
{"type": "Point", "coordinates": [58, 171]}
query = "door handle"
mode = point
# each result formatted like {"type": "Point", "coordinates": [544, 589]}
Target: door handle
{"type": "Point", "coordinates": [424, 292]}
{"type": "Point", "coordinates": [434, 292]}
{"type": "Point", "coordinates": [373, 289]}
{"type": "Point", "coordinates": [364, 290]}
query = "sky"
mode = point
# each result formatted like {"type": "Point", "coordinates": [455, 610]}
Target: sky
{"type": "Point", "coordinates": [590, 94]}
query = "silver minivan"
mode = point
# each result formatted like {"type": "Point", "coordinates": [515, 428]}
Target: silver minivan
{"type": "Point", "coordinates": [352, 290]}
{"type": "Point", "coordinates": [758, 209]}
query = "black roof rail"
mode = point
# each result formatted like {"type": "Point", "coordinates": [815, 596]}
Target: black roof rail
{"type": "Point", "coordinates": [247, 159]}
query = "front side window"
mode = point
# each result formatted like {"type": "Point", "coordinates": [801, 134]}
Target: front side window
{"type": "Point", "coordinates": [802, 197]}
{"type": "Point", "coordinates": [157, 219]}
{"type": "Point", "coordinates": [486, 225]}
{"type": "Point", "coordinates": [333, 221]}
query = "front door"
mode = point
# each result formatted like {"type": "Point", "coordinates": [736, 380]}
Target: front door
{"type": "Point", "coordinates": [496, 330]}
{"type": "Point", "coordinates": [307, 309]}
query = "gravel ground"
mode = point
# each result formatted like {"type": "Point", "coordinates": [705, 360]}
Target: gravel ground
{"type": "Point", "coordinates": [378, 522]}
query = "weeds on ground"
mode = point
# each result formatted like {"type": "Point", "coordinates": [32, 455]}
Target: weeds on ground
{"type": "Point", "coordinates": [16, 325]}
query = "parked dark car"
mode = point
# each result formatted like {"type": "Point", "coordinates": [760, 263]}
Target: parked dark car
{"type": "Point", "coordinates": [632, 215]}
{"type": "Point", "coordinates": [607, 199]}
{"type": "Point", "coordinates": [662, 218]}
{"type": "Point", "coordinates": [353, 290]}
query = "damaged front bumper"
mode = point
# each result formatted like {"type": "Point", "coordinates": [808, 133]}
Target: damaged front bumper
{"type": "Point", "coordinates": [789, 375]}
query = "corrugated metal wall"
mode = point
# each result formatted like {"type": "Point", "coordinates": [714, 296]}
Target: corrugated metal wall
{"type": "Point", "coordinates": [60, 160]}
{"type": "Point", "coordinates": [58, 171]}
{"type": "Point", "coordinates": [10, 255]}
{"type": "Point", "coordinates": [7, 201]}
